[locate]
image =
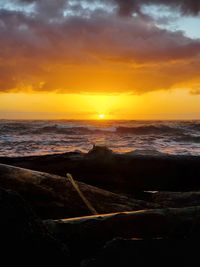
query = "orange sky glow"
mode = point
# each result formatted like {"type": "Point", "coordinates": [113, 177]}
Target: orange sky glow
{"type": "Point", "coordinates": [167, 105]}
{"type": "Point", "coordinates": [59, 60]}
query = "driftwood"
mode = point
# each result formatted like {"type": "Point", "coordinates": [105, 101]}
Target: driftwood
{"type": "Point", "coordinates": [24, 236]}
{"type": "Point", "coordinates": [166, 237]}
{"type": "Point", "coordinates": [175, 199]}
{"type": "Point", "coordinates": [145, 252]}
{"type": "Point", "coordinates": [85, 200]}
{"type": "Point", "coordinates": [89, 234]}
{"type": "Point", "coordinates": [120, 173]}
{"type": "Point", "coordinates": [137, 224]}
{"type": "Point", "coordinates": [52, 196]}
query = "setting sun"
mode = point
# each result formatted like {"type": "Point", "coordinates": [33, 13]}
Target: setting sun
{"type": "Point", "coordinates": [101, 116]}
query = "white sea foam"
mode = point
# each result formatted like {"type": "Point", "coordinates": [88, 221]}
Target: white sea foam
{"type": "Point", "coordinates": [22, 138]}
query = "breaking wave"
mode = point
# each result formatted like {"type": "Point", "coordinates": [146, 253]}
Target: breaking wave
{"type": "Point", "coordinates": [137, 130]}
{"type": "Point", "coordinates": [46, 137]}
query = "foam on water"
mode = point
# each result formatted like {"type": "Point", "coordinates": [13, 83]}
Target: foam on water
{"type": "Point", "coordinates": [23, 138]}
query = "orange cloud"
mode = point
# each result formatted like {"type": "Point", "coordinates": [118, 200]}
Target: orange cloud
{"type": "Point", "coordinates": [94, 51]}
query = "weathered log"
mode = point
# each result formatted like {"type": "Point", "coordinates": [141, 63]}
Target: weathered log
{"type": "Point", "coordinates": [52, 196]}
{"type": "Point", "coordinates": [142, 252]}
{"type": "Point", "coordinates": [89, 234]}
{"type": "Point", "coordinates": [24, 236]}
{"type": "Point", "coordinates": [124, 173]}
{"type": "Point", "coordinates": [175, 199]}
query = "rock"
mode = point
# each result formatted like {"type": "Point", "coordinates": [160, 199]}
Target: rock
{"type": "Point", "coordinates": [101, 152]}
{"type": "Point", "coordinates": [22, 233]}
{"type": "Point", "coordinates": [54, 197]}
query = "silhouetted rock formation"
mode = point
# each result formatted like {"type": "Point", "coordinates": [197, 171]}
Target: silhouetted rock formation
{"type": "Point", "coordinates": [101, 152]}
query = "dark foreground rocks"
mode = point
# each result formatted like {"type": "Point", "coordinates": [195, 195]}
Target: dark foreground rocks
{"type": "Point", "coordinates": [120, 173]}
{"type": "Point", "coordinates": [23, 236]}
{"type": "Point", "coordinates": [54, 197]}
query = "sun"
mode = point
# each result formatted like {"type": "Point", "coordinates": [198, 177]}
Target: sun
{"type": "Point", "coordinates": [101, 116]}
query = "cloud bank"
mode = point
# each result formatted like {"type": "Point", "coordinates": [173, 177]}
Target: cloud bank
{"type": "Point", "coordinates": [185, 6]}
{"type": "Point", "coordinates": [94, 46]}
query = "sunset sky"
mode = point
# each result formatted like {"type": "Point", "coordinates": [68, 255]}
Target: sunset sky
{"type": "Point", "coordinates": [127, 59]}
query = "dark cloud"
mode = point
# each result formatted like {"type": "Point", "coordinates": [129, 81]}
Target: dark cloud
{"type": "Point", "coordinates": [95, 51]}
{"type": "Point", "coordinates": [185, 6]}
{"type": "Point", "coordinates": [125, 7]}
{"type": "Point", "coordinates": [50, 9]}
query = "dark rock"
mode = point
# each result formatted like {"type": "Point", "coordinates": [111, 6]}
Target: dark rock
{"type": "Point", "coordinates": [22, 233]}
{"type": "Point", "coordinates": [101, 152]}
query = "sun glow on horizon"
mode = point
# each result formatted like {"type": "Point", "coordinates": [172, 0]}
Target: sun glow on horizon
{"type": "Point", "coordinates": [152, 105]}
{"type": "Point", "coordinates": [101, 116]}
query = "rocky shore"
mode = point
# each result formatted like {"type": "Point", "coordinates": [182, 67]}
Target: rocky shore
{"type": "Point", "coordinates": [148, 209]}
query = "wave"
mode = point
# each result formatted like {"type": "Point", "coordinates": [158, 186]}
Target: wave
{"type": "Point", "coordinates": [67, 130]}
{"type": "Point", "coordinates": [150, 138]}
{"type": "Point", "coordinates": [194, 126]}
{"type": "Point", "coordinates": [188, 138]}
{"type": "Point", "coordinates": [140, 130]}
{"type": "Point", "coordinates": [178, 129]}
{"type": "Point", "coordinates": [146, 152]}
{"type": "Point", "coordinates": [150, 129]}
{"type": "Point", "coordinates": [16, 128]}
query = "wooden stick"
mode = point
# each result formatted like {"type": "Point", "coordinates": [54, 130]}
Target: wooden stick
{"type": "Point", "coordinates": [76, 187]}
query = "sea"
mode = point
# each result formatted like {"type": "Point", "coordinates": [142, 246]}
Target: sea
{"type": "Point", "coordinates": [30, 138]}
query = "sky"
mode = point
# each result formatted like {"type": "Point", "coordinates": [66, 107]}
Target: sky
{"type": "Point", "coordinates": [77, 59]}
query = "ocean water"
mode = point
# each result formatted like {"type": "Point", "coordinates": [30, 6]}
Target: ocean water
{"type": "Point", "coordinates": [26, 138]}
